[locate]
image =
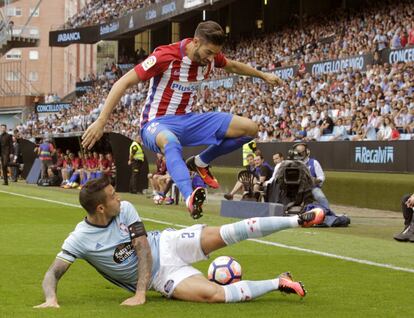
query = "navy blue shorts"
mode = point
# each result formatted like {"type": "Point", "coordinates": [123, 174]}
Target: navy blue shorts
{"type": "Point", "coordinates": [191, 129]}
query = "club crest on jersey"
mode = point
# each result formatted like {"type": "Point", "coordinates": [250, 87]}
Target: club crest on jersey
{"type": "Point", "coordinates": [152, 128]}
{"type": "Point", "coordinates": [124, 229]}
{"type": "Point", "coordinates": [149, 62]}
{"type": "Point", "coordinates": [168, 286]}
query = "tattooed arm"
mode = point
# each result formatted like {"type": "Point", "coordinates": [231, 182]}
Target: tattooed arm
{"type": "Point", "coordinates": [143, 251]}
{"type": "Point", "coordinates": [50, 281]}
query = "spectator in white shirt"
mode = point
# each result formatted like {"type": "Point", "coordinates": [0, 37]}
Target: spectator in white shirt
{"type": "Point", "coordinates": [262, 134]}
{"type": "Point", "coordinates": [277, 160]}
{"type": "Point", "coordinates": [385, 129]}
{"type": "Point", "coordinates": [313, 132]}
{"type": "Point", "coordinates": [380, 40]}
{"type": "Point", "coordinates": [339, 131]}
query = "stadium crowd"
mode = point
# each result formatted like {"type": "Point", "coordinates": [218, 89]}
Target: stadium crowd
{"type": "Point", "coordinates": [103, 11]}
{"type": "Point", "coordinates": [339, 34]}
{"type": "Point", "coordinates": [352, 105]}
{"type": "Point", "coordinates": [374, 105]}
{"type": "Point", "coordinates": [342, 33]}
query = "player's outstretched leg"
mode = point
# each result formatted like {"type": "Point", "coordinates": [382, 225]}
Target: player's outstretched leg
{"type": "Point", "coordinates": [238, 131]}
{"type": "Point", "coordinates": [177, 168]}
{"type": "Point", "coordinates": [259, 227]}
{"type": "Point", "coordinates": [214, 238]}
{"type": "Point", "coordinates": [200, 163]}
{"type": "Point", "coordinates": [247, 290]}
{"type": "Point", "coordinates": [197, 288]}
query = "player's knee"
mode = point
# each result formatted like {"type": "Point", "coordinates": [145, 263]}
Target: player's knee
{"type": "Point", "coordinates": [215, 294]}
{"type": "Point", "coordinates": [166, 138]}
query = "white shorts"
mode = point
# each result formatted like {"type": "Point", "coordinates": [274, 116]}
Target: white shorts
{"type": "Point", "coordinates": [178, 249]}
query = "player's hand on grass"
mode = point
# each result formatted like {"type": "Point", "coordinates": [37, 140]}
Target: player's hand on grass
{"type": "Point", "coordinates": [272, 79]}
{"type": "Point", "coordinates": [48, 304]}
{"type": "Point", "coordinates": [93, 134]}
{"type": "Point", "coordinates": [137, 299]}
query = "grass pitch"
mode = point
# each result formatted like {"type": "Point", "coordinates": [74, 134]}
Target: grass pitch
{"type": "Point", "coordinates": [32, 231]}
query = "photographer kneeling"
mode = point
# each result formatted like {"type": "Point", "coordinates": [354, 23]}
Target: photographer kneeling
{"type": "Point", "coordinates": [407, 206]}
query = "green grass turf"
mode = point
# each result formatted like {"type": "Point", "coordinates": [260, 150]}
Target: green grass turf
{"type": "Point", "coordinates": [32, 231]}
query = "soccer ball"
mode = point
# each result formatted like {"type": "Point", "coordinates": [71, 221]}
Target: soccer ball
{"type": "Point", "coordinates": [224, 270]}
{"type": "Point", "coordinates": [158, 199]}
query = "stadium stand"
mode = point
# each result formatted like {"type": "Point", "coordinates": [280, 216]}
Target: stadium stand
{"type": "Point", "coordinates": [102, 11]}
{"type": "Point", "coordinates": [340, 34]}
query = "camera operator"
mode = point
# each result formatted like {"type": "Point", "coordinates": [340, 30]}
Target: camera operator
{"type": "Point", "coordinates": [300, 151]}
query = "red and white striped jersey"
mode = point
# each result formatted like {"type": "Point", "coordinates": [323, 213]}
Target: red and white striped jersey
{"type": "Point", "coordinates": [175, 80]}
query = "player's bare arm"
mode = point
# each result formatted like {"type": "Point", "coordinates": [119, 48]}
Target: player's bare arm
{"type": "Point", "coordinates": [143, 251]}
{"type": "Point", "coordinates": [244, 69]}
{"type": "Point", "coordinates": [95, 131]}
{"type": "Point", "coordinates": [50, 281]}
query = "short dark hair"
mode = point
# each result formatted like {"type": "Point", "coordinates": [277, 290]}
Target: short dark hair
{"type": "Point", "coordinates": [211, 32]}
{"type": "Point", "coordinates": [279, 154]}
{"type": "Point", "coordinates": [92, 194]}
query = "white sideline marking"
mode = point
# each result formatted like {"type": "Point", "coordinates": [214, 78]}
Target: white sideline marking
{"type": "Point", "coordinates": [326, 254]}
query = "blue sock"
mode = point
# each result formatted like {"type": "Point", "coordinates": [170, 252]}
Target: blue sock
{"type": "Point", "coordinates": [246, 290]}
{"type": "Point", "coordinates": [226, 146]}
{"type": "Point", "coordinates": [256, 227]}
{"type": "Point", "coordinates": [84, 179]}
{"type": "Point", "coordinates": [74, 177]}
{"type": "Point", "coordinates": [177, 168]}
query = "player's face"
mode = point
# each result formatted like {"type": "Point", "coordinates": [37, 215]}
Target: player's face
{"type": "Point", "coordinates": [113, 202]}
{"type": "Point", "coordinates": [205, 52]}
